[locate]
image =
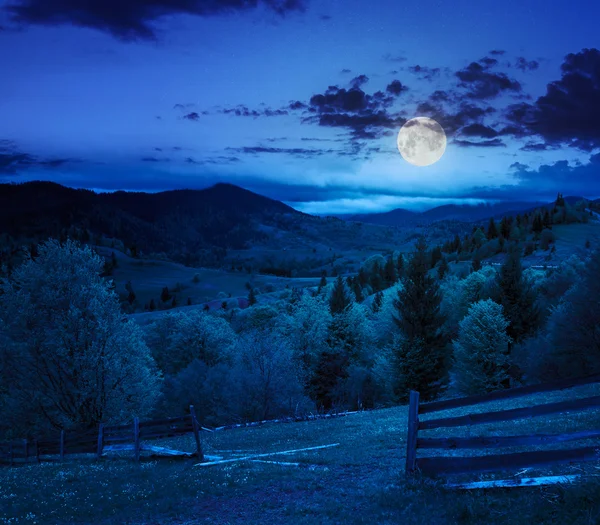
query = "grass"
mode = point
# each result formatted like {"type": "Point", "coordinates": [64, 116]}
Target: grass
{"type": "Point", "coordinates": [360, 481]}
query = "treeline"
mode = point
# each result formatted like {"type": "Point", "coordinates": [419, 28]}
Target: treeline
{"type": "Point", "coordinates": [69, 359]}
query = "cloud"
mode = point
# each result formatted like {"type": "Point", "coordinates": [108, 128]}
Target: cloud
{"type": "Point", "coordinates": [492, 143]}
{"type": "Point", "coordinates": [427, 73]}
{"type": "Point", "coordinates": [192, 116]}
{"type": "Point", "coordinates": [536, 146]}
{"type": "Point", "coordinates": [569, 112]}
{"type": "Point", "coordinates": [358, 81]}
{"type": "Point", "coordinates": [133, 19]}
{"type": "Point", "coordinates": [243, 111]}
{"type": "Point", "coordinates": [364, 115]}
{"type": "Point", "coordinates": [218, 160]}
{"type": "Point", "coordinates": [525, 65]}
{"type": "Point", "coordinates": [395, 87]}
{"type": "Point", "coordinates": [13, 161]}
{"type": "Point", "coordinates": [482, 84]}
{"type": "Point", "coordinates": [155, 159]}
{"type": "Point", "coordinates": [394, 58]}
{"type": "Point", "coordinates": [296, 152]}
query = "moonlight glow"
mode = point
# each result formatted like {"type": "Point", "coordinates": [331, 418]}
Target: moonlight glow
{"type": "Point", "coordinates": [421, 141]}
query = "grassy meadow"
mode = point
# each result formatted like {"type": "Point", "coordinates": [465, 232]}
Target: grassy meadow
{"type": "Point", "coordinates": [360, 481]}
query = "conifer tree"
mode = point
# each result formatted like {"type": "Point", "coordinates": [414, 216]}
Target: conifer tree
{"type": "Point", "coordinates": [443, 268]}
{"type": "Point", "coordinates": [377, 302]}
{"type": "Point", "coordinates": [251, 297]}
{"type": "Point", "coordinates": [516, 297]}
{"type": "Point", "coordinates": [389, 272]}
{"type": "Point", "coordinates": [400, 266]}
{"type": "Point", "coordinates": [340, 299]}
{"type": "Point", "coordinates": [420, 325]}
{"type": "Point", "coordinates": [476, 262]}
{"type": "Point", "coordinates": [492, 231]}
{"type": "Point", "coordinates": [322, 282]}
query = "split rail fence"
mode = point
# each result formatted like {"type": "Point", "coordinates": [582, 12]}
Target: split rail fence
{"type": "Point", "coordinates": [106, 438]}
{"type": "Point", "coordinates": [431, 466]}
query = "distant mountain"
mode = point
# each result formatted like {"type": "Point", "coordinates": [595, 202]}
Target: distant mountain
{"type": "Point", "coordinates": [455, 212]}
{"type": "Point", "coordinates": [397, 217]}
{"type": "Point", "coordinates": [195, 227]}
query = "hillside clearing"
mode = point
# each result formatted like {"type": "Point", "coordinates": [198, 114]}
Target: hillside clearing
{"type": "Point", "coordinates": [359, 481]}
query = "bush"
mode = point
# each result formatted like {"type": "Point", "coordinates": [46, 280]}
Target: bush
{"type": "Point", "coordinates": [481, 350]}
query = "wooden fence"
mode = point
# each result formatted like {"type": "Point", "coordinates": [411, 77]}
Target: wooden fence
{"type": "Point", "coordinates": [106, 438]}
{"type": "Point", "coordinates": [455, 465]}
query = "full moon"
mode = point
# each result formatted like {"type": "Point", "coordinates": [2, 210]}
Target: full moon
{"type": "Point", "coordinates": [421, 141]}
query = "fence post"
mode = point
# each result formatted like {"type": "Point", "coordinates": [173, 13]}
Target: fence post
{"type": "Point", "coordinates": [136, 437]}
{"type": "Point", "coordinates": [413, 428]}
{"type": "Point", "coordinates": [62, 445]}
{"type": "Point", "coordinates": [100, 440]}
{"type": "Point", "coordinates": [196, 433]}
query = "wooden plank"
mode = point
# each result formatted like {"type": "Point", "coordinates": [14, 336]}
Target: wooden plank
{"type": "Point", "coordinates": [62, 445]}
{"type": "Point", "coordinates": [586, 403]}
{"type": "Point", "coordinates": [114, 440]}
{"type": "Point", "coordinates": [504, 441]}
{"type": "Point", "coordinates": [159, 434]}
{"type": "Point", "coordinates": [163, 422]}
{"type": "Point", "coordinates": [413, 429]}
{"type": "Point", "coordinates": [199, 451]}
{"type": "Point", "coordinates": [110, 429]}
{"type": "Point", "coordinates": [520, 482]}
{"type": "Point", "coordinates": [136, 437]}
{"type": "Point", "coordinates": [511, 393]}
{"type": "Point", "coordinates": [254, 456]}
{"type": "Point", "coordinates": [100, 441]}
{"type": "Point", "coordinates": [458, 465]}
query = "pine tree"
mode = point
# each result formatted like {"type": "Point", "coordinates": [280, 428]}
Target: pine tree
{"type": "Point", "coordinates": [356, 288]}
{"type": "Point", "coordinates": [389, 272]}
{"type": "Point", "coordinates": [152, 305]}
{"type": "Point", "coordinates": [251, 297]}
{"type": "Point", "coordinates": [420, 324]}
{"type": "Point", "coordinates": [505, 227]}
{"type": "Point", "coordinates": [174, 302]}
{"type": "Point", "coordinates": [165, 295]}
{"type": "Point", "coordinates": [323, 281]}
{"type": "Point", "coordinates": [436, 256]}
{"type": "Point", "coordinates": [476, 262]}
{"type": "Point", "coordinates": [189, 301]}
{"type": "Point", "coordinates": [492, 231]}
{"type": "Point", "coordinates": [375, 278]}
{"type": "Point", "coordinates": [131, 294]}
{"type": "Point", "coordinates": [400, 266]}
{"type": "Point", "coordinates": [443, 268]}
{"type": "Point", "coordinates": [516, 297]}
{"type": "Point", "coordinates": [537, 225]}
{"type": "Point", "coordinates": [377, 302]}
{"type": "Point", "coordinates": [547, 220]}
{"type": "Point", "coordinates": [340, 299]}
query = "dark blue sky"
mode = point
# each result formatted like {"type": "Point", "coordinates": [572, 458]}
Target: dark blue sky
{"type": "Point", "coordinates": [302, 100]}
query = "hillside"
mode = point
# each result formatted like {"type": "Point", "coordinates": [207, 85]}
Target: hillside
{"type": "Point", "coordinates": [359, 481]}
{"type": "Point", "coordinates": [447, 212]}
{"type": "Point", "coordinates": [194, 227]}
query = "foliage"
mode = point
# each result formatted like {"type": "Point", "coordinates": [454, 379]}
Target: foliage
{"type": "Point", "coordinates": [69, 358]}
{"type": "Point", "coordinates": [420, 322]}
{"type": "Point", "coordinates": [480, 352]}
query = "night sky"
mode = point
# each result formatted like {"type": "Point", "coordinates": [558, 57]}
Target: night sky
{"type": "Point", "coordinates": [302, 101]}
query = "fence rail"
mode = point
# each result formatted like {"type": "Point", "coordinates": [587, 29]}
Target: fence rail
{"type": "Point", "coordinates": [489, 463]}
{"type": "Point", "coordinates": [112, 437]}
